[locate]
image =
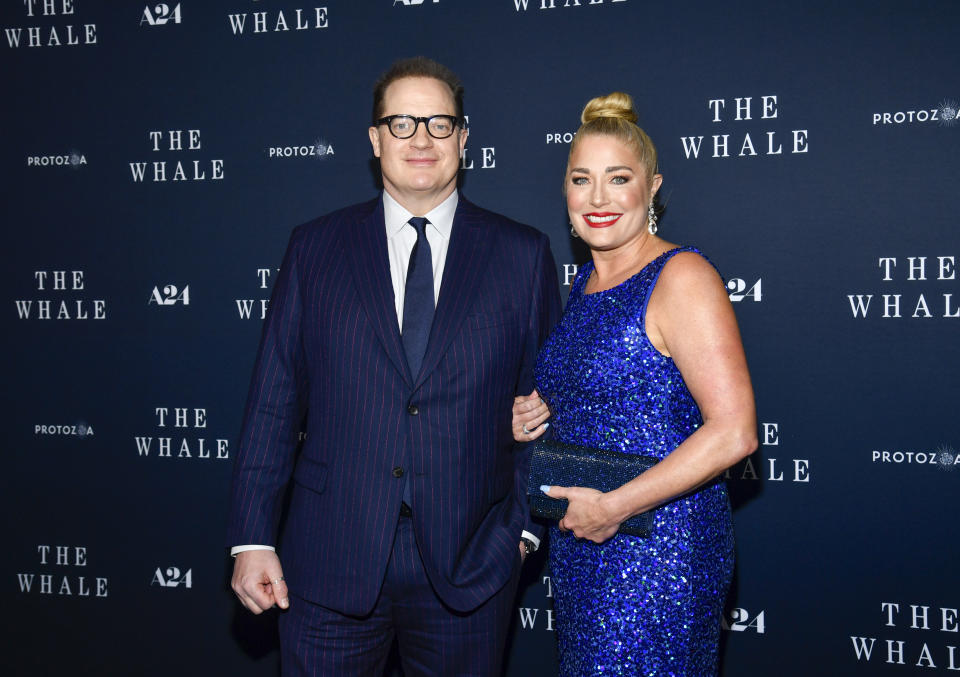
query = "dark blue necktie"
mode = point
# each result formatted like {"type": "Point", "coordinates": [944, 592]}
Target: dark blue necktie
{"type": "Point", "coordinates": [418, 303]}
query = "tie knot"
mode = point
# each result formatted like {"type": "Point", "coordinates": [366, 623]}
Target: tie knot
{"type": "Point", "coordinates": [419, 223]}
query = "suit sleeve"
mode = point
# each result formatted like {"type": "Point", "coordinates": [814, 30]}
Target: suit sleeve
{"type": "Point", "coordinates": [274, 413]}
{"type": "Point", "coordinates": [543, 315]}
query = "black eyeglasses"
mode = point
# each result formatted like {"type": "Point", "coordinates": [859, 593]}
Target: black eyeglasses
{"type": "Point", "coordinates": [405, 126]}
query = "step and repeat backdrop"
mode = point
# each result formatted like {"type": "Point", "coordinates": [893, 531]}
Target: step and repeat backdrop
{"type": "Point", "coordinates": [155, 158]}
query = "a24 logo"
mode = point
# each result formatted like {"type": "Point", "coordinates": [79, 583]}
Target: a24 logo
{"type": "Point", "coordinates": [160, 15]}
{"type": "Point", "coordinates": [172, 578]}
{"type": "Point", "coordinates": [171, 295]}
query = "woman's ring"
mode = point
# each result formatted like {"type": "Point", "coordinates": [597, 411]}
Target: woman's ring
{"type": "Point", "coordinates": [276, 580]}
{"type": "Point", "coordinates": [525, 431]}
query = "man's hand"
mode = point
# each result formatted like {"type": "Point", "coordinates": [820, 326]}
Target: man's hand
{"type": "Point", "coordinates": [258, 580]}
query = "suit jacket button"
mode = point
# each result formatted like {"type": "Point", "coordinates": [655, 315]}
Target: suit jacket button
{"type": "Point", "coordinates": [398, 471]}
{"type": "Point", "coordinates": [413, 410]}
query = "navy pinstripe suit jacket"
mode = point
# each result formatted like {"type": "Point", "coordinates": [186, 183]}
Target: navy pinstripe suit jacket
{"type": "Point", "coordinates": [331, 352]}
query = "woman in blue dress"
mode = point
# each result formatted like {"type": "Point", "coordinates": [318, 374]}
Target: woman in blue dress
{"type": "Point", "coordinates": [647, 359]}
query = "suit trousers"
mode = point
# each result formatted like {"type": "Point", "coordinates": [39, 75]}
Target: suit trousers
{"type": "Point", "coordinates": [433, 638]}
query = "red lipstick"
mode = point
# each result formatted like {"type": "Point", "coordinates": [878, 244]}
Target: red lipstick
{"type": "Point", "coordinates": [601, 219]}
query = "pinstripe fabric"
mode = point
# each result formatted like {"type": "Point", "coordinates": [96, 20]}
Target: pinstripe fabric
{"type": "Point", "coordinates": [433, 639]}
{"type": "Point", "coordinates": [331, 350]}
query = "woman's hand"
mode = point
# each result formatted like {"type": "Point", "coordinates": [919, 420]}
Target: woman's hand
{"type": "Point", "coordinates": [587, 513]}
{"type": "Point", "coordinates": [529, 412]}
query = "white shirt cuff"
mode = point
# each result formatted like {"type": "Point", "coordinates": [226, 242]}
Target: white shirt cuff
{"type": "Point", "coordinates": [533, 539]}
{"type": "Point", "coordinates": [243, 548]}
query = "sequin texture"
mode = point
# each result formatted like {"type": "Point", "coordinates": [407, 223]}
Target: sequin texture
{"type": "Point", "coordinates": [632, 606]}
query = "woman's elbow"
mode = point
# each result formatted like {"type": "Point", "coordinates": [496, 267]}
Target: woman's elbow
{"type": "Point", "coordinates": [742, 442]}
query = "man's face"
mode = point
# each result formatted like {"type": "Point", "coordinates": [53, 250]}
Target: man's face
{"type": "Point", "coordinates": [421, 171]}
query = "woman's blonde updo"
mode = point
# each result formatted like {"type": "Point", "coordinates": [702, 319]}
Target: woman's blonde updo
{"type": "Point", "coordinates": [613, 115]}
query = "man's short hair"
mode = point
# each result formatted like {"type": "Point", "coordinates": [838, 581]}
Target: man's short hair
{"type": "Point", "coordinates": [417, 67]}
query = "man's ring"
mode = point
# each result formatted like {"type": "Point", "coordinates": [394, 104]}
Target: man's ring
{"type": "Point", "coordinates": [525, 431]}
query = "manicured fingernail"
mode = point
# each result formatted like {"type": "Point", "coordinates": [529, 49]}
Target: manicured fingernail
{"type": "Point", "coordinates": [545, 488]}
{"type": "Point", "coordinates": [546, 425]}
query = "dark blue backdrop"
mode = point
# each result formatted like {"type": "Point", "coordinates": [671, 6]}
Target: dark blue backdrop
{"type": "Point", "coordinates": [809, 148]}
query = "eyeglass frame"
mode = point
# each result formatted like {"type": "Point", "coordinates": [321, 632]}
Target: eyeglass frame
{"type": "Point", "coordinates": [457, 122]}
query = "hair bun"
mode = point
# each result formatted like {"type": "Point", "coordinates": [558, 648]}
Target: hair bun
{"type": "Point", "coordinates": [616, 105]}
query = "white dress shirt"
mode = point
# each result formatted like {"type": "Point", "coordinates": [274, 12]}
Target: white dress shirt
{"type": "Point", "coordinates": [401, 237]}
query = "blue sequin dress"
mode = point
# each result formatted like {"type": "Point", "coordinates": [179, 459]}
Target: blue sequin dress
{"type": "Point", "coordinates": [632, 606]}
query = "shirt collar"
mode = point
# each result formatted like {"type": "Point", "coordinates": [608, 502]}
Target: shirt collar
{"type": "Point", "coordinates": [395, 216]}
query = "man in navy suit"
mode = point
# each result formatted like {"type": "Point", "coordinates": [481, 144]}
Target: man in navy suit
{"type": "Point", "coordinates": [400, 330]}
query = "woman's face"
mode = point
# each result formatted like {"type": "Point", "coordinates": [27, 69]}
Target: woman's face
{"type": "Point", "coordinates": [608, 193]}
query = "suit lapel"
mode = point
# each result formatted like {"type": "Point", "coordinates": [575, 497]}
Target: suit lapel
{"type": "Point", "coordinates": [462, 276]}
{"type": "Point", "coordinates": [366, 251]}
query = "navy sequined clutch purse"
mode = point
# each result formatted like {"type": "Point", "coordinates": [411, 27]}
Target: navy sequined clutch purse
{"type": "Point", "coordinates": [568, 465]}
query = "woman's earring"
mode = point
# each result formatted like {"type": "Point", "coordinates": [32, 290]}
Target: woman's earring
{"type": "Point", "coordinates": [573, 232]}
{"type": "Point", "coordinates": [651, 220]}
